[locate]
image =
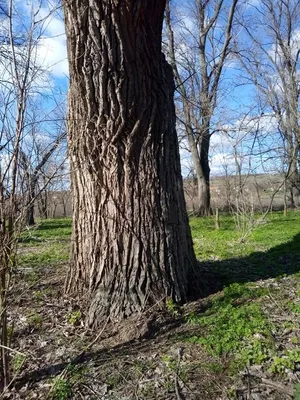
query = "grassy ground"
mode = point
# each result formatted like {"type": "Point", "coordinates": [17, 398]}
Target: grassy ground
{"type": "Point", "coordinates": [240, 343]}
{"type": "Point", "coordinates": [270, 250]}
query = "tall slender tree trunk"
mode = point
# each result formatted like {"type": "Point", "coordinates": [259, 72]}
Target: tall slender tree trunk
{"type": "Point", "coordinates": [294, 184]}
{"type": "Point", "coordinates": [30, 202]}
{"type": "Point", "coordinates": [43, 203]}
{"type": "Point", "coordinates": [204, 178]}
{"type": "Point", "coordinates": [203, 186]}
{"type": "Point", "coordinates": [43, 206]}
{"type": "Point", "coordinates": [131, 244]}
{"type": "Point", "coordinates": [293, 172]}
{"type": "Point", "coordinates": [199, 151]}
{"type": "Point", "coordinates": [201, 164]}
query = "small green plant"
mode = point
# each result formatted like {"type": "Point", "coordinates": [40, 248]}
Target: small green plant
{"type": "Point", "coordinates": [255, 351]}
{"type": "Point", "coordinates": [17, 362]}
{"type": "Point", "coordinates": [76, 374]}
{"type": "Point", "coordinates": [35, 320]}
{"type": "Point", "coordinates": [38, 294]}
{"type": "Point", "coordinates": [112, 380]}
{"type": "Point", "coordinates": [233, 325]}
{"type": "Point", "coordinates": [172, 307]}
{"type": "Point", "coordinates": [64, 385]}
{"type": "Point", "coordinates": [295, 340]}
{"type": "Point", "coordinates": [61, 389]}
{"type": "Point", "coordinates": [74, 317]}
{"type": "Point", "coordinates": [288, 325]}
{"type": "Point", "coordinates": [214, 367]}
{"type": "Point", "coordinates": [231, 393]}
{"type": "Point", "coordinates": [172, 365]}
{"type": "Point", "coordinates": [297, 391]}
{"type": "Point", "coordinates": [294, 307]}
{"type": "Point", "coordinates": [169, 384]}
{"type": "Point", "coordinates": [169, 362]}
{"type": "Point", "coordinates": [287, 361]}
{"type": "Point", "coordinates": [148, 391]}
{"type": "Point", "coordinates": [32, 277]}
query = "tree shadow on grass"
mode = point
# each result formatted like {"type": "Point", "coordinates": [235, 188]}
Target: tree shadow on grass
{"type": "Point", "coordinates": [278, 261]}
{"type": "Point", "coordinates": [54, 224]}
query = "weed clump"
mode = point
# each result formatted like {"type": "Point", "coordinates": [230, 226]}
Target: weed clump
{"type": "Point", "coordinates": [233, 325]}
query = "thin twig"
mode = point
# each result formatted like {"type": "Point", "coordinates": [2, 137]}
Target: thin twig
{"type": "Point", "coordinates": [178, 392]}
{"type": "Point", "coordinates": [12, 350]}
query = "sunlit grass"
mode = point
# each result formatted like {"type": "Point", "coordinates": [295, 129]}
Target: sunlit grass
{"type": "Point", "coordinates": [211, 244]}
{"type": "Point", "coordinates": [46, 244]}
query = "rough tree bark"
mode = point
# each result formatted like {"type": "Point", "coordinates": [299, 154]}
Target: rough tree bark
{"type": "Point", "coordinates": [131, 244]}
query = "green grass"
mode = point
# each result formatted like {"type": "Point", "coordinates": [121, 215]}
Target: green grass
{"type": "Point", "coordinates": [271, 249]}
{"type": "Point", "coordinates": [48, 244]}
{"type": "Point", "coordinates": [232, 326]}
{"type": "Point", "coordinates": [224, 243]}
{"type": "Point", "coordinates": [49, 254]}
{"type": "Point", "coordinates": [53, 229]}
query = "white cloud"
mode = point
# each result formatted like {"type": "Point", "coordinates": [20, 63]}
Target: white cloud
{"type": "Point", "coordinates": [222, 163]}
{"type": "Point", "coordinates": [52, 54]}
{"type": "Point", "coordinates": [49, 56]}
{"type": "Point", "coordinates": [52, 47]}
{"type": "Point", "coordinates": [38, 79]}
{"type": "Point", "coordinates": [253, 3]}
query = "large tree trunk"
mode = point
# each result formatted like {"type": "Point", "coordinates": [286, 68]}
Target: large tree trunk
{"type": "Point", "coordinates": [131, 244]}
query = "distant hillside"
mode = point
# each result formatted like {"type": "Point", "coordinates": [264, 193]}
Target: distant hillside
{"type": "Point", "coordinates": [258, 190]}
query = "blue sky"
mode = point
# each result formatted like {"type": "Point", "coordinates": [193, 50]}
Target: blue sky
{"type": "Point", "coordinates": [240, 104]}
{"type": "Point", "coordinates": [51, 54]}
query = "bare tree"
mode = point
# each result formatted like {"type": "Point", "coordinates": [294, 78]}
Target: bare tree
{"type": "Point", "coordinates": [131, 243]}
{"type": "Point", "coordinates": [20, 77]}
{"type": "Point", "coordinates": [198, 63]}
{"type": "Point", "coordinates": [33, 165]}
{"type": "Point", "coordinates": [269, 52]}
{"type": "Point", "coordinates": [16, 95]}
{"type": "Point", "coordinates": [57, 192]}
